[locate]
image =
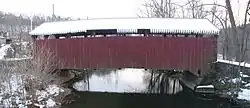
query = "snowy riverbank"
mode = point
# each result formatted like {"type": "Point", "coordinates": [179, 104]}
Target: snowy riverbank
{"type": "Point", "coordinates": [14, 94]}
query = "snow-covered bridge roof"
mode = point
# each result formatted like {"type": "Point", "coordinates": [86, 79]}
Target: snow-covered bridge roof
{"type": "Point", "coordinates": [129, 25]}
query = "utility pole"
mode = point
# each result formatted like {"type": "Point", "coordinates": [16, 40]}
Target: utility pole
{"type": "Point", "coordinates": [53, 12]}
{"type": "Point", "coordinates": [31, 23]}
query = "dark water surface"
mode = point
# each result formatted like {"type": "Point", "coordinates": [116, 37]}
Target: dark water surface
{"type": "Point", "coordinates": [137, 100]}
{"type": "Point", "coordinates": [119, 82]}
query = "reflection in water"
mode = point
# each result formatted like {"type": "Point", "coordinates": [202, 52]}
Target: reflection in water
{"type": "Point", "coordinates": [163, 82]}
{"type": "Point", "coordinates": [136, 80]}
{"type": "Point", "coordinates": [174, 86]}
{"type": "Point", "coordinates": [124, 80]}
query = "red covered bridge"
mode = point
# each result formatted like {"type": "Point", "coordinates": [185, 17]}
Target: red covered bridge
{"type": "Point", "coordinates": [158, 43]}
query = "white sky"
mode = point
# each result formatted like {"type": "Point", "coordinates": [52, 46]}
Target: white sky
{"type": "Point", "coordinates": [90, 8]}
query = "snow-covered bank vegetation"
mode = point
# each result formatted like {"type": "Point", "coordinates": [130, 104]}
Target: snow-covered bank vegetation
{"type": "Point", "coordinates": [31, 82]}
{"type": "Point", "coordinates": [15, 94]}
{"type": "Point", "coordinates": [233, 83]}
{"type": "Point", "coordinates": [16, 50]}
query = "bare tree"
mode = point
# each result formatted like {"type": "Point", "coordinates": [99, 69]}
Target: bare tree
{"type": "Point", "coordinates": [245, 35]}
{"type": "Point", "coordinates": [241, 35]}
{"type": "Point", "coordinates": [34, 75]}
{"type": "Point", "coordinates": [159, 8]}
{"type": "Point", "coordinates": [235, 40]}
{"type": "Point", "coordinates": [169, 9]}
{"type": "Point", "coordinates": [219, 17]}
{"type": "Point", "coordinates": [224, 39]}
{"type": "Point", "coordinates": [196, 9]}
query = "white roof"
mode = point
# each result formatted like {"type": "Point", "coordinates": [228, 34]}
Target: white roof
{"type": "Point", "coordinates": [129, 25]}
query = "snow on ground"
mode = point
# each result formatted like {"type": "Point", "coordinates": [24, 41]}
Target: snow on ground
{"type": "Point", "coordinates": [15, 59]}
{"type": "Point", "coordinates": [54, 90]}
{"type": "Point", "coordinates": [247, 85]}
{"type": "Point", "coordinates": [219, 56]}
{"type": "Point", "coordinates": [235, 80]}
{"type": "Point", "coordinates": [234, 63]}
{"type": "Point", "coordinates": [13, 90]}
{"type": "Point", "coordinates": [50, 103]}
{"type": "Point", "coordinates": [3, 50]}
{"type": "Point", "coordinates": [244, 94]}
{"type": "Point", "coordinates": [20, 54]}
{"type": "Point", "coordinates": [220, 59]}
{"type": "Point", "coordinates": [47, 96]}
{"type": "Point", "coordinates": [244, 75]}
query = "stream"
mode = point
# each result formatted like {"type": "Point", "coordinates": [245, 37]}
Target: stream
{"type": "Point", "coordinates": [128, 88]}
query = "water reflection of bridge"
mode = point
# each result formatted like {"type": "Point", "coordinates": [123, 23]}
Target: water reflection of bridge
{"type": "Point", "coordinates": [130, 81]}
{"type": "Point", "coordinates": [135, 95]}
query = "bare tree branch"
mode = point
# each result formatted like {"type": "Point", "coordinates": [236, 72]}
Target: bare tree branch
{"type": "Point", "coordinates": [231, 17]}
{"type": "Point", "coordinates": [160, 8]}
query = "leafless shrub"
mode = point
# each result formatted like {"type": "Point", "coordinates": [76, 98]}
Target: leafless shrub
{"type": "Point", "coordinates": [43, 66]}
{"type": "Point", "coordinates": [34, 75]}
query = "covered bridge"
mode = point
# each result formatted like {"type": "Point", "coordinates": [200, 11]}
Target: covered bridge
{"type": "Point", "coordinates": [151, 43]}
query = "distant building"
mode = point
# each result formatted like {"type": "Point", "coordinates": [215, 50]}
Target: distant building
{"type": "Point", "coordinates": [4, 38]}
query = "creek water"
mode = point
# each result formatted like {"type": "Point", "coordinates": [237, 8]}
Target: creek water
{"type": "Point", "coordinates": [127, 88]}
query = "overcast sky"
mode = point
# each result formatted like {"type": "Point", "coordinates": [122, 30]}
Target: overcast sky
{"type": "Point", "coordinates": [90, 8]}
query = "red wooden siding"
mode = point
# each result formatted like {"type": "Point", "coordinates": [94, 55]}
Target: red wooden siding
{"type": "Point", "coordinates": [187, 53]}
